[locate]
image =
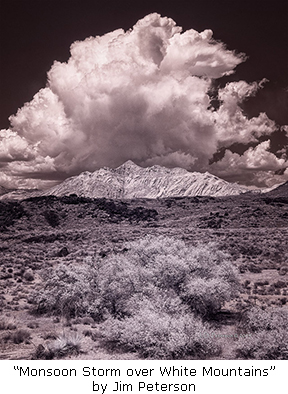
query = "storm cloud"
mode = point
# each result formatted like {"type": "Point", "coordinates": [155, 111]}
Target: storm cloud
{"type": "Point", "coordinates": [141, 95]}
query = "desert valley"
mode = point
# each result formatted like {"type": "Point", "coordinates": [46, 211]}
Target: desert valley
{"type": "Point", "coordinates": [87, 269]}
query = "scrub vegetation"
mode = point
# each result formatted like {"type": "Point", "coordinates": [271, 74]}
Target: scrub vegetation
{"type": "Point", "coordinates": [156, 297]}
{"type": "Point", "coordinates": [267, 337]}
{"type": "Point", "coordinates": [192, 278]}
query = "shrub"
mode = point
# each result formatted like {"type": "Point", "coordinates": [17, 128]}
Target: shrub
{"type": "Point", "coordinates": [87, 320]}
{"type": "Point", "coordinates": [265, 336]}
{"type": "Point", "coordinates": [254, 269]}
{"type": "Point", "coordinates": [257, 319]}
{"type": "Point", "coordinates": [283, 270]}
{"type": "Point", "coordinates": [6, 325]}
{"type": "Point", "coordinates": [263, 345]}
{"type": "Point", "coordinates": [118, 280]}
{"type": "Point", "coordinates": [202, 276]}
{"type": "Point", "coordinates": [206, 297]}
{"type": "Point", "coordinates": [63, 346]}
{"type": "Point", "coordinates": [156, 283]}
{"type": "Point", "coordinates": [159, 335]}
{"type": "Point", "coordinates": [69, 291]}
{"type": "Point", "coordinates": [63, 252]}
{"type": "Point", "coordinates": [28, 275]}
{"type": "Point", "coordinates": [280, 284]}
{"type": "Point", "coordinates": [17, 336]}
{"type": "Point", "coordinates": [52, 218]}
{"type": "Point", "coordinates": [20, 336]}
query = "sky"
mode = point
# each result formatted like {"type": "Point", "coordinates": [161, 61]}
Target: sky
{"type": "Point", "coordinates": [201, 85]}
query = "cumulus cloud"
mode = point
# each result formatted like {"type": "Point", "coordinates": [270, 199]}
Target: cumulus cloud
{"type": "Point", "coordinates": [141, 95]}
{"type": "Point", "coordinates": [256, 166]}
{"type": "Point", "coordinates": [232, 125]}
{"type": "Point", "coordinates": [13, 147]}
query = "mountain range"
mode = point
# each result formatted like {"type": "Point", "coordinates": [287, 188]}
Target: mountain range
{"type": "Point", "coordinates": [132, 181]}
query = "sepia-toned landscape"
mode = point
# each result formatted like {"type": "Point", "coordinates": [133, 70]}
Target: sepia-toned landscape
{"type": "Point", "coordinates": [87, 278]}
{"type": "Point", "coordinates": [143, 180]}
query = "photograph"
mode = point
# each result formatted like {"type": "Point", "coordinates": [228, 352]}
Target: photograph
{"type": "Point", "coordinates": [143, 180]}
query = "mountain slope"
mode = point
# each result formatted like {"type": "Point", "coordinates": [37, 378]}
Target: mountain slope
{"type": "Point", "coordinates": [132, 181]}
{"type": "Point", "coordinates": [19, 194]}
{"type": "Point", "coordinates": [279, 191]}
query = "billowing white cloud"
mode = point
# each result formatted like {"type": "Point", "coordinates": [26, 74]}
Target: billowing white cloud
{"type": "Point", "coordinates": [232, 125]}
{"type": "Point", "coordinates": [257, 166]}
{"type": "Point", "coordinates": [140, 95]}
{"type": "Point", "coordinates": [14, 147]}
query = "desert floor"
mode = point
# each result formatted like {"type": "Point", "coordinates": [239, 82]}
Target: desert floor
{"type": "Point", "coordinates": [42, 232]}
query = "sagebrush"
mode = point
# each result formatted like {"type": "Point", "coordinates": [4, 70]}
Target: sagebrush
{"type": "Point", "coordinates": [152, 297]}
{"type": "Point", "coordinates": [265, 335]}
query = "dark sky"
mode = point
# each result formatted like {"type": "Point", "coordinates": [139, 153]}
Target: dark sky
{"type": "Point", "coordinates": [34, 33]}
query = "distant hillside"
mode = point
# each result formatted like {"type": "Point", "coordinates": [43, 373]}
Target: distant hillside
{"type": "Point", "coordinates": [19, 194]}
{"type": "Point", "coordinates": [280, 191]}
{"type": "Point", "coordinates": [131, 181]}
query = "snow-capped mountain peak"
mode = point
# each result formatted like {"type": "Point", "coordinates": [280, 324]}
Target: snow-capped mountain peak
{"type": "Point", "coordinates": [132, 181]}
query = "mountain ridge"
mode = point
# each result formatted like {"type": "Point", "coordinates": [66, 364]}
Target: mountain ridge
{"type": "Point", "coordinates": [132, 181]}
{"type": "Point", "coordinates": [279, 191]}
